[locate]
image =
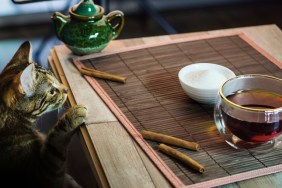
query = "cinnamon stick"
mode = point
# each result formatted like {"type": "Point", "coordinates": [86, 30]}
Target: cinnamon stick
{"type": "Point", "coordinates": [170, 140]}
{"type": "Point", "coordinates": [103, 75]}
{"type": "Point", "coordinates": [182, 157]}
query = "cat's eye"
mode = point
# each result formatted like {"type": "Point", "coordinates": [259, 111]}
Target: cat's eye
{"type": "Point", "coordinates": [53, 91]}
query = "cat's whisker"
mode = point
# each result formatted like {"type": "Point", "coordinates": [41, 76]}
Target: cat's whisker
{"type": "Point", "coordinates": [62, 109]}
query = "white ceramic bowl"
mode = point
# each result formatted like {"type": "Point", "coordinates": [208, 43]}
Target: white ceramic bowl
{"type": "Point", "coordinates": [201, 81]}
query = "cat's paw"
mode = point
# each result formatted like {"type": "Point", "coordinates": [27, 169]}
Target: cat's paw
{"type": "Point", "coordinates": [76, 115]}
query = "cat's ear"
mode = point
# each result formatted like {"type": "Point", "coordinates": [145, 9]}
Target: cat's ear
{"type": "Point", "coordinates": [24, 53]}
{"type": "Point", "coordinates": [22, 58]}
{"type": "Point", "coordinates": [27, 80]}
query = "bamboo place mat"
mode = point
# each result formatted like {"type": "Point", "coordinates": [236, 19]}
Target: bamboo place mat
{"type": "Point", "coordinates": [152, 99]}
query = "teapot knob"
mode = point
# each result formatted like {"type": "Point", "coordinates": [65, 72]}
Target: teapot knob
{"type": "Point", "coordinates": [85, 8]}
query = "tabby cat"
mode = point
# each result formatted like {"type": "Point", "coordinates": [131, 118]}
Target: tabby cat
{"type": "Point", "coordinates": [27, 157]}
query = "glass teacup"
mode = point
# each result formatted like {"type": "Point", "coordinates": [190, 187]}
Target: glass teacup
{"type": "Point", "coordinates": [248, 112]}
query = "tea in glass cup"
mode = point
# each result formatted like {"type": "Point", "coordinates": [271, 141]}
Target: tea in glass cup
{"type": "Point", "coordinates": [248, 112]}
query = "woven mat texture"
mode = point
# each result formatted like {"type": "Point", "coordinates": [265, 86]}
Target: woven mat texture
{"type": "Point", "coordinates": [153, 99]}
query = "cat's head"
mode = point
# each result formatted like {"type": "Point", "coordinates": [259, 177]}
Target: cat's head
{"type": "Point", "coordinates": [29, 88]}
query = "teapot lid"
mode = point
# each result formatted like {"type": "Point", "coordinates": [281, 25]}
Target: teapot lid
{"type": "Point", "coordinates": [85, 8]}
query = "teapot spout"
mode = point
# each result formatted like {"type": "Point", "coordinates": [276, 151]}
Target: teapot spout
{"type": "Point", "coordinates": [60, 20]}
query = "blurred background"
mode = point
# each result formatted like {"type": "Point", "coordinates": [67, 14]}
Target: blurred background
{"type": "Point", "coordinates": [32, 21]}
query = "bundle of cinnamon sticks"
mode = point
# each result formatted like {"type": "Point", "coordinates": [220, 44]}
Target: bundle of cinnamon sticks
{"type": "Point", "coordinates": [165, 139]}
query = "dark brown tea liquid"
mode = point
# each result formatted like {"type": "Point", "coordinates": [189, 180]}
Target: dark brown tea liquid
{"type": "Point", "coordinates": [251, 130]}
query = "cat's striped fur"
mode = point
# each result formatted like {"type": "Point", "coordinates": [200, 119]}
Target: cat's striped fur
{"type": "Point", "coordinates": [27, 157]}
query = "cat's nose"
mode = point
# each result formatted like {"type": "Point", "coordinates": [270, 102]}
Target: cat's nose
{"type": "Point", "coordinates": [65, 90]}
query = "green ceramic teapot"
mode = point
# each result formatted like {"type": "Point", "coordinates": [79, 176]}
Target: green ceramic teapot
{"type": "Point", "coordinates": [86, 29]}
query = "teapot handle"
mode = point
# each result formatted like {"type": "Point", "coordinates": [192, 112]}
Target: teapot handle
{"type": "Point", "coordinates": [119, 26]}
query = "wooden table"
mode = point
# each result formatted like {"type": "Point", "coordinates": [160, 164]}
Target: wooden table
{"type": "Point", "coordinates": [115, 158]}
